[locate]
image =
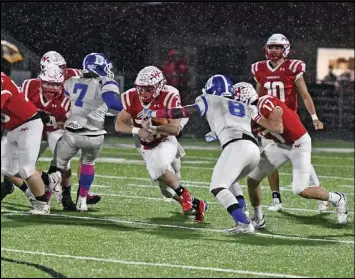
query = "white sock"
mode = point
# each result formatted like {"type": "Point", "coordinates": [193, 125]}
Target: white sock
{"type": "Point", "coordinates": [333, 197]}
{"type": "Point", "coordinates": [258, 214]}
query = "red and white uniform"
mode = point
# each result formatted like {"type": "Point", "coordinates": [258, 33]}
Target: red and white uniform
{"type": "Point", "coordinates": [293, 127]}
{"type": "Point", "coordinates": [15, 109]}
{"type": "Point", "coordinates": [57, 108]}
{"type": "Point", "coordinates": [294, 145]}
{"type": "Point", "coordinates": [161, 152]}
{"type": "Point", "coordinates": [280, 81]}
{"type": "Point", "coordinates": [20, 146]}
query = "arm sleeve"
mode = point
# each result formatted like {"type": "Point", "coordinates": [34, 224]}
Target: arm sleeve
{"type": "Point", "coordinates": [110, 100]}
{"type": "Point", "coordinates": [202, 105]}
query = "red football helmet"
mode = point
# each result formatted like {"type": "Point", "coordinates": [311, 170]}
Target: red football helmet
{"type": "Point", "coordinates": [277, 47]}
{"type": "Point", "coordinates": [52, 82]}
{"type": "Point", "coordinates": [149, 82]}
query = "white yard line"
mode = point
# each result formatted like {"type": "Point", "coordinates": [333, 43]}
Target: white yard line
{"type": "Point", "coordinates": [146, 224]}
{"type": "Point", "coordinates": [164, 265]}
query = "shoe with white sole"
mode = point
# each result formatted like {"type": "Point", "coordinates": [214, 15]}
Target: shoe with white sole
{"type": "Point", "coordinates": [258, 223]}
{"type": "Point", "coordinates": [276, 205]}
{"type": "Point", "coordinates": [242, 228]}
{"type": "Point", "coordinates": [342, 208]}
{"type": "Point", "coordinates": [81, 204]}
{"type": "Point", "coordinates": [40, 208]}
{"type": "Point", "coordinates": [322, 206]}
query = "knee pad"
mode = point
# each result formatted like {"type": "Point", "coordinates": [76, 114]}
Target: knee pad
{"type": "Point", "coordinates": [26, 171]}
{"type": "Point", "coordinates": [176, 165]}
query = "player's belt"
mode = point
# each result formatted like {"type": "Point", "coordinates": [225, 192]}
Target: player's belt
{"type": "Point", "coordinates": [244, 137]}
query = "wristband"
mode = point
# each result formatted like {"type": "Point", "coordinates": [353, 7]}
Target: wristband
{"type": "Point", "coordinates": [314, 117]}
{"type": "Point", "coordinates": [135, 130]}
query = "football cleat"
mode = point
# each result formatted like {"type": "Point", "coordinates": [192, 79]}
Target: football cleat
{"type": "Point", "coordinates": [342, 208]}
{"type": "Point", "coordinates": [275, 205]}
{"type": "Point", "coordinates": [322, 206]}
{"type": "Point", "coordinates": [200, 212]}
{"type": "Point", "coordinates": [186, 201]}
{"type": "Point", "coordinates": [242, 228]}
{"type": "Point", "coordinates": [40, 208]}
{"type": "Point", "coordinates": [81, 204]}
{"type": "Point", "coordinates": [258, 223]}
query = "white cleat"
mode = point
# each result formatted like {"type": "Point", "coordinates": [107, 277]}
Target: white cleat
{"type": "Point", "coordinates": [342, 208]}
{"type": "Point", "coordinates": [258, 223]}
{"type": "Point", "coordinates": [55, 180]}
{"type": "Point", "coordinates": [29, 195]}
{"type": "Point", "coordinates": [242, 228]}
{"type": "Point", "coordinates": [276, 205]}
{"type": "Point", "coordinates": [81, 204]}
{"type": "Point", "coordinates": [322, 206]}
{"type": "Point", "coordinates": [40, 208]}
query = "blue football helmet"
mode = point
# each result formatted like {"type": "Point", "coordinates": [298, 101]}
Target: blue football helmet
{"type": "Point", "coordinates": [219, 85]}
{"type": "Point", "coordinates": [99, 64]}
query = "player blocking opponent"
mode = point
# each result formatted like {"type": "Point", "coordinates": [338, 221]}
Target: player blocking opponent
{"type": "Point", "coordinates": [291, 142]}
{"type": "Point", "coordinates": [230, 121]}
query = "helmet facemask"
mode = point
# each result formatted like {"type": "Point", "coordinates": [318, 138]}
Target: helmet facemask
{"type": "Point", "coordinates": [51, 90]}
{"type": "Point", "coordinates": [52, 82]}
{"type": "Point", "coordinates": [149, 83]}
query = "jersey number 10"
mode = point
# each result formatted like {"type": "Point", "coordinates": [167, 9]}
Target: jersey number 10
{"type": "Point", "coordinates": [276, 89]}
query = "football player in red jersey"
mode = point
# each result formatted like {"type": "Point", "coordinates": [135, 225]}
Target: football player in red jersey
{"type": "Point", "coordinates": [157, 146]}
{"type": "Point", "coordinates": [20, 146]}
{"type": "Point", "coordinates": [281, 77]}
{"type": "Point", "coordinates": [290, 142]}
{"type": "Point", "coordinates": [47, 94]}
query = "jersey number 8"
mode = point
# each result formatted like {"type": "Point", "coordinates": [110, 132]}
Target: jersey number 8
{"type": "Point", "coordinates": [236, 109]}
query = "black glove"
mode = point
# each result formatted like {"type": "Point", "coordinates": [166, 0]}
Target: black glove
{"type": "Point", "coordinates": [44, 116]}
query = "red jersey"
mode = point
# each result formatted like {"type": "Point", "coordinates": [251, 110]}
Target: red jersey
{"type": "Point", "coordinates": [293, 128]}
{"type": "Point", "coordinates": [15, 109]}
{"type": "Point", "coordinates": [57, 108]}
{"type": "Point", "coordinates": [168, 98]}
{"type": "Point", "coordinates": [280, 81]}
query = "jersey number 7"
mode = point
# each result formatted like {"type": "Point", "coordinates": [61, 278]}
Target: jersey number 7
{"type": "Point", "coordinates": [81, 89]}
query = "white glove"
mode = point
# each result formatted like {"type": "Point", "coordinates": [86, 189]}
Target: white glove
{"type": "Point", "coordinates": [211, 136]}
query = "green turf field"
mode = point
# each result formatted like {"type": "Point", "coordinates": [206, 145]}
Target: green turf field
{"type": "Point", "coordinates": [134, 232]}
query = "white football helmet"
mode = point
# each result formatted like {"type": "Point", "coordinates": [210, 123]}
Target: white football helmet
{"type": "Point", "coordinates": [52, 81]}
{"type": "Point", "coordinates": [244, 92]}
{"type": "Point", "coordinates": [52, 58]}
{"type": "Point", "coordinates": [149, 83]}
{"type": "Point", "coordinates": [277, 40]}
